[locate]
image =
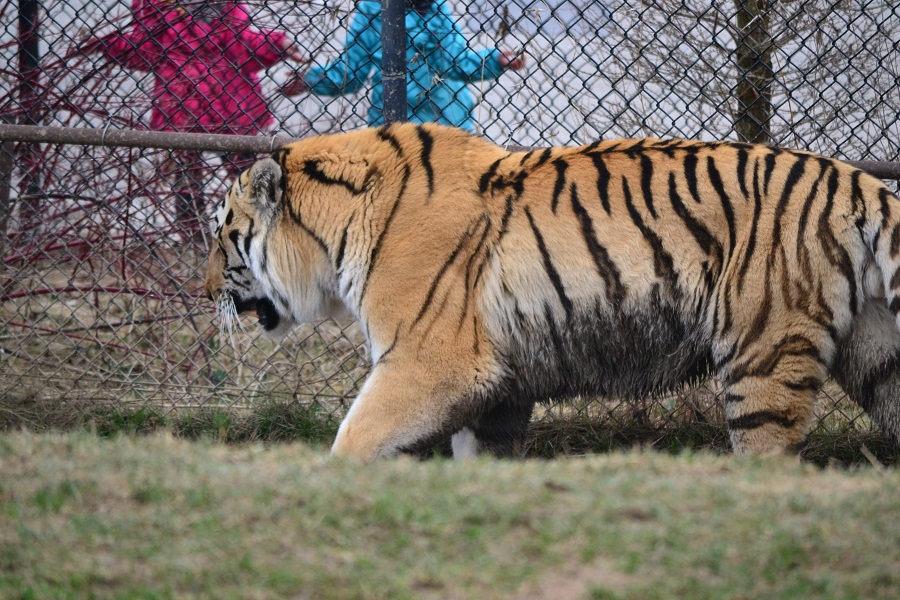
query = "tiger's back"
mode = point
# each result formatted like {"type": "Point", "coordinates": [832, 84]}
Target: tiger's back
{"type": "Point", "coordinates": [487, 280]}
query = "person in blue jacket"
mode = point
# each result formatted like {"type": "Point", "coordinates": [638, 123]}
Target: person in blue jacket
{"type": "Point", "coordinates": [439, 65]}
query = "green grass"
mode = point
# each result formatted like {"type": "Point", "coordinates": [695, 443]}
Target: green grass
{"type": "Point", "coordinates": [163, 517]}
{"type": "Point", "coordinates": [271, 421]}
{"type": "Point", "coordinates": [550, 436]}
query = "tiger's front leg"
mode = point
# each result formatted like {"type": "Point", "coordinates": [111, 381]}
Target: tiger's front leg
{"type": "Point", "coordinates": [407, 403]}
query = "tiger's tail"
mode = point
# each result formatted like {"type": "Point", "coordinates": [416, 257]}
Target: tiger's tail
{"type": "Point", "coordinates": [867, 363]}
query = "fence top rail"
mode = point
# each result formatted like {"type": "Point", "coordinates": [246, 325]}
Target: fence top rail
{"type": "Point", "coordinates": [212, 142]}
{"type": "Point", "coordinates": [85, 136]}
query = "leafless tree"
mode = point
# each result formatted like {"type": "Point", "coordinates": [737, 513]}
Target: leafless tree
{"type": "Point", "coordinates": [816, 74]}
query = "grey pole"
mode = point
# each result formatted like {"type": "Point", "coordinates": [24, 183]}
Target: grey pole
{"type": "Point", "coordinates": [393, 59]}
{"type": "Point", "coordinates": [217, 142]}
{"type": "Point", "coordinates": [29, 72]}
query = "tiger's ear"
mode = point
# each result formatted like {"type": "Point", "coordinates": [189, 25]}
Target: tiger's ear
{"type": "Point", "coordinates": [349, 172]}
{"type": "Point", "coordinates": [266, 189]}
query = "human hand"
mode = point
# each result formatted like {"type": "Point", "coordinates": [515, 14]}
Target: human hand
{"type": "Point", "coordinates": [296, 85]}
{"type": "Point", "coordinates": [508, 60]}
{"type": "Point", "coordinates": [290, 51]}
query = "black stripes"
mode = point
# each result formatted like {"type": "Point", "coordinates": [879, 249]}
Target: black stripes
{"type": "Point", "coordinates": [464, 239]}
{"type": "Point", "coordinates": [647, 183]}
{"type": "Point", "coordinates": [895, 241]}
{"type": "Point", "coordinates": [342, 247]}
{"type": "Point", "coordinates": [883, 202]}
{"type": "Point", "coordinates": [895, 305]}
{"type": "Point", "coordinates": [504, 220]}
{"type": "Point", "coordinates": [787, 192]}
{"type": "Point", "coordinates": [385, 134]}
{"type": "Point", "coordinates": [234, 238]}
{"type": "Point", "coordinates": [280, 156]}
{"type": "Point", "coordinates": [542, 159]}
{"type": "Point", "coordinates": [770, 167]}
{"type": "Point", "coordinates": [606, 268]}
{"type": "Point", "coordinates": [701, 234]}
{"type": "Point", "coordinates": [732, 398]}
{"type": "Point", "coordinates": [742, 171]}
{"type": "Point", "coordinates": [248, 239]}
{"type": "Point", "coordinates": [479, 257]}
{"type": "Point", "coordinates": [807, 205]}
{"type": "Point", "coordinates": [427, 141]}
{"type": "Point", "coordinates": [552, 273]}
{"type": "Point", "coordinates": [312, 168]}
{"type": "Point", "coordinates": [603, 177]}
{"type": "Point", "coordinates": [834, 251]}
{"type": "Point", "coordinates": [857, 202]}
{"type": "Point", "coordinates": [795, 345]}
{"type": "Point", "coordinates": [376, 248]}
{"type": "Point", "coordinates": [810, 383]}
{"type": "Point", "coordinates": [755, 420]}
{"type": "Point", "coordinates": [715, 179]}
{"type": "Point", "coordinates": [561, 166]}
{"type": "Point", "coordinates": [662, 261]}
{"type": "Point", "coordinates": [754, 226]}
{"type": "Point", "coordinates": [802, 251]}
{"type": "Point", "coordinates": [895, 280]}
{"type": "Point", "coordinates": [690, 175]}
{"type": "Point", "coordinates": [298, 219]}
{"type": "Point", "coordinates": [485, 180]}
{"type": "Point", "coordinates": [556, 336]}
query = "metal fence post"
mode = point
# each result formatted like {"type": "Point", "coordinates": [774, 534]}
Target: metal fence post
{"type": "Point", "coordinates": [29, 59]}
{"type": "Point", "coordinates": [393, 59]}
{"type": "Point", "coordinates": [755, 75]}
{"type": "Point", "coordinates": [7, 163]}
{"type": "Point", "coordinates": [29, 72]}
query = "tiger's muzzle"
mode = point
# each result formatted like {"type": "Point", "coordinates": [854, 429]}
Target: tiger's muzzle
{"type": "Point", "coordinates": [268, 317]}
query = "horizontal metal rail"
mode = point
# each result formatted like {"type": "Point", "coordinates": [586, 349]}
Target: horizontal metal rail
{"type": "Point", "coordinates": [84, 136]}
{"type": "Point", "coordinates": [213, 142]}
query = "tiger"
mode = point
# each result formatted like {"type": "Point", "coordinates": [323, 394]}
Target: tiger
{"type": "Point", "coordinates": [487, 280]}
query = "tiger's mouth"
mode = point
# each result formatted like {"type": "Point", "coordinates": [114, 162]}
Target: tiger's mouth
{"type": "Point", "coordinates": [265, 311]}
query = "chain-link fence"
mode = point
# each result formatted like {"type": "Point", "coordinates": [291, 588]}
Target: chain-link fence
{"type": "Point", "coordinates": [103, 247]}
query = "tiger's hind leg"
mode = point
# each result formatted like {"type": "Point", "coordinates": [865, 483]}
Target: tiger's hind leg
{"type": "Point", "coordinates": [770, 393]}
{"type": "Point", "coordinates": [867, 366]}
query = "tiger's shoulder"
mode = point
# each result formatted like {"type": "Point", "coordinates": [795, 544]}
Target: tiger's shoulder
{"type": "Point", "coordinates": [407, 141]}
{"type": "Point", "coordinates": [424, 155]}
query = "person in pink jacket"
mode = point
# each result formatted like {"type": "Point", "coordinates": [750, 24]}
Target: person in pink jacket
{"type": "Point", "coordinates": [205, 58]}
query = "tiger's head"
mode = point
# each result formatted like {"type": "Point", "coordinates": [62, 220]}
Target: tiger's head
{"type": "Point", "coordinates": [238, 277]}
{"type": "Point", "coordinates": [262, 259]}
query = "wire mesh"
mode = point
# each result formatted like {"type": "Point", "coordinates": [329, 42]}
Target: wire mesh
{"type": "Point", "coordinates": [103, 248]}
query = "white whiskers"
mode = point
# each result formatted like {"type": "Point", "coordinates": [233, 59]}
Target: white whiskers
{"type": "Point", "coordinates": [228, 318]}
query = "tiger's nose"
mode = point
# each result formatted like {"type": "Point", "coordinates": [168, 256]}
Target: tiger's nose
{"type": "Point", "coordinates": [211, 292]}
